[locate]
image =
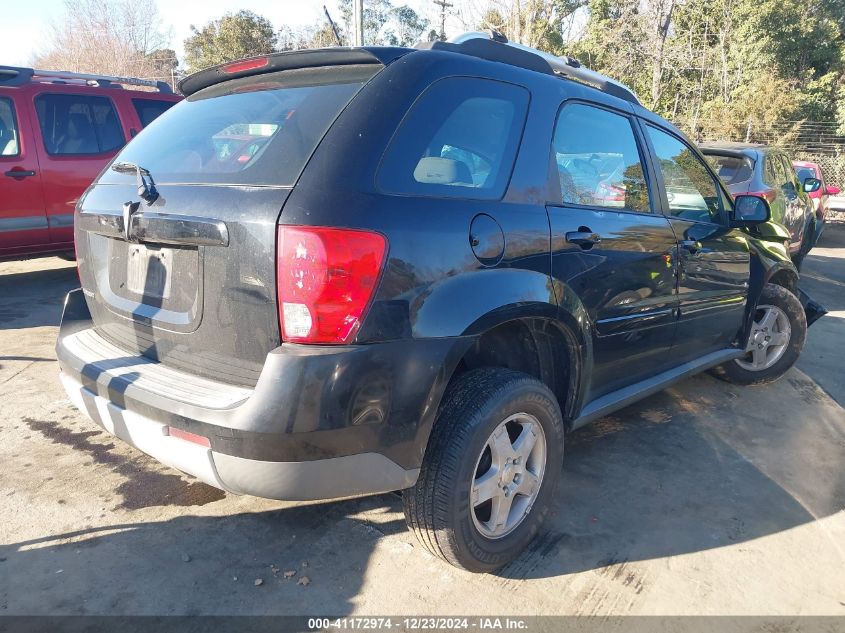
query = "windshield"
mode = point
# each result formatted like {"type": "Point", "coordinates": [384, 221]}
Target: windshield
{"type": "Point", "coordinates": [731, 169]}
{"type": "Point", "coordinates": [258, 130]}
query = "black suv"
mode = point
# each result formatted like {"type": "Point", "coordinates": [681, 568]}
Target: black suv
{"type": "Point", "coordinates": [349, 271]}
{"type": "Point", "coordinates": [759, 170]}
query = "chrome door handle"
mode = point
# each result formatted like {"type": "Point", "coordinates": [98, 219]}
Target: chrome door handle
{"type": "Point", "coordinates": [584, 239]}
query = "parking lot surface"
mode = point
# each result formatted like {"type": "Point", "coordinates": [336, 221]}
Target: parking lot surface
{"type": "Point", "coordinates": [704, 499]}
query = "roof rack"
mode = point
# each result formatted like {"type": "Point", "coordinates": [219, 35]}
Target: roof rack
{"type": "Point", "coordinates": [495, 46]}
{"type": "Point", "coordinates": [15, 76]}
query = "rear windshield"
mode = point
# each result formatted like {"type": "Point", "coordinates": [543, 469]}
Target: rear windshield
{"type": "Point", "coordinates": [250, 131]}
{"type": "Point", "coordinates": [732, 169]}
{"type": "Point", "coordinates": [805, 172]}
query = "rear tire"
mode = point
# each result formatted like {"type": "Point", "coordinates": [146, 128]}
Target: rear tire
{"type": "Point", "coordinates": [776, 340]}
{"type": "Point", "coordinates": [499, 433]}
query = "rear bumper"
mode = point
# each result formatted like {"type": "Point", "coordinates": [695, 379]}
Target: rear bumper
{"type": "Point", "coordinates": [322, 422]}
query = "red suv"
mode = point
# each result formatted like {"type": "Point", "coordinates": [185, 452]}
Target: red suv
{"type": "Point", "coordinates": [821, 197]}
{"type": "Point", "coordinates": [57, 132]}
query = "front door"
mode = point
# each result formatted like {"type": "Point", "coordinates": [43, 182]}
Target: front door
{"type": "Point", "coordinates": [23, 221]}
{"type": "Point", "coordinates": [714, 258]}
{"type": "Point", "coordinates": [611, 247]}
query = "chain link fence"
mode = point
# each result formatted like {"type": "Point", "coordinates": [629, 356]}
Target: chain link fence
{"type": "Point", "coordinates": [815, 141]}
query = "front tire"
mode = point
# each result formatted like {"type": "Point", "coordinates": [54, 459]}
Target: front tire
{"type": "Point", "coordinates": [490, 470]}
{"type": "Point", "coordinates": [776, 339]}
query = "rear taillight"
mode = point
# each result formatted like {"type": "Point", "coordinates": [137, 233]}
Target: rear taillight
{"type": "Point", "coordinates": [325, 279]}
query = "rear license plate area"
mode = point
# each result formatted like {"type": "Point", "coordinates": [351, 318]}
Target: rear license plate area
{"type": "Point", "coordinates": [149, 271]}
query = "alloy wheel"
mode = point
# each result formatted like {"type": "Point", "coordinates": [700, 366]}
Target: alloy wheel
{"type": "Point", "coordinates": [508, 475]}
{"type": "Point", "coordinates": [770, 335]}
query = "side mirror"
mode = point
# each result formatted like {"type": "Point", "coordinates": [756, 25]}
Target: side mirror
{"type": "Point", "coordinates": [811, 185]}
{"type": "Point", "coordinates": [751, 210]}
{"type": "Point", "coordinates": [833, 191]}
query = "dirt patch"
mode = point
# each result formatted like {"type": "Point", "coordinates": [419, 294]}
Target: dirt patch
{"type": "Point", "coordinates": [656, 416]}
{"type": "Point", "coordinates": [144, 487]}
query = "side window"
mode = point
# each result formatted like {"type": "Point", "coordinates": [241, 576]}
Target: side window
{"type": "Point", "coordinates": [9, 145]}
{"type": "Point", "coordinates": [780, 178]}
{"type": "Point", "coordinates": [78, 124]}
{"type": "Point", "coordinates": [597, 159]}
{"type": "Point", "coordinates": [149, 110]}
{"type": "Point", "coordinates": [770, 171]}
{"type": "Point", "coordinates": [790, 178]}
{"type": "Point", "coordinates": [459, 140]}
{"type": "Point", "coordinates": [690, 188]}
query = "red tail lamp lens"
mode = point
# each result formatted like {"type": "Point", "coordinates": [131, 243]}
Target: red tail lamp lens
{"type": "Point", "coordinates": [326, 278]}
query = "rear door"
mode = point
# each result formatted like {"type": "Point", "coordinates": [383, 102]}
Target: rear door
{"type": "Point", "coordinates": [799, 207]}
{"type": "Point", "coordinates": [611, 245]}
{"type": "Point", "coordinates": [189, 279]}
{"type": "Point", "coordinates": [714, 258]}
{"type": "Point", "coordinates": [79, 133]}
{"type": "Point", "coordinates": [23, 221]}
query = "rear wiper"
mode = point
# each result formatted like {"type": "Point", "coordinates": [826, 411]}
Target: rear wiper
{"type": "Point", "coordinates": [146, 190]}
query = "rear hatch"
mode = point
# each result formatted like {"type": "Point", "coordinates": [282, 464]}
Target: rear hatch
{"type": "Point", "coordinates": [189, 280]}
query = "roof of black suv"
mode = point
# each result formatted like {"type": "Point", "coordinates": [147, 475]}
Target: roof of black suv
{"type": "Point", "coordinates": [491, 46]}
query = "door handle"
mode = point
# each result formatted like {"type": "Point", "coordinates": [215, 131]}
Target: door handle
{"type": "Point", "coordinates": [19, 173]}
{"type": "Point", "coordinates": [691, 246]}
{"type": "Point", "coordinates": [584, 238]}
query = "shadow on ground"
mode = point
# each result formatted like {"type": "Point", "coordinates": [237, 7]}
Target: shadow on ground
{"type": "Point", "coordinates": [35, 298]}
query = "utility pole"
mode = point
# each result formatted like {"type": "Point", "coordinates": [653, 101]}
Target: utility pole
{"type": "Point", "coordinates": [358, 22]}
{"type": "Point", "coordinates": [443, 4]}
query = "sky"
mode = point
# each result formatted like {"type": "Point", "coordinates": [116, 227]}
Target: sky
{"type": "Point", "coordinates": [25, 22]}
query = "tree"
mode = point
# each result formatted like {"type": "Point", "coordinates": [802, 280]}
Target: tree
{"type": "Point", "coordinates": [385, 24]}
{"type": "Point", "coordinates": [109, 37]}
{"type": "Point", "coordinates": [405, 26]}
{"type": "Point", "coordinates": [722, 68]}
{"type": "Point", "coordinates": [234, 36]}
{"type": "Point", "coordinates": [545, 24]}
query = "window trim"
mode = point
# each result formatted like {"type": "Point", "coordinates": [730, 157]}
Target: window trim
{"type": "Point", "coordinates": [378, 188]}
{"type": "Point", "coordinates": [725, 197]}
{"type": "Point", "coordinates": [17, 122]}
{"type": "Point", "coordinates": [77, 156]}
{"type": "Point", "coordinates": [554, 171]}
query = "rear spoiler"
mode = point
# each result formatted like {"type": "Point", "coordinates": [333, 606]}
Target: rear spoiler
{"type": "Point", "coordinates": [290, 60]}
{"type": "Point", "coordinates": [731, 152]}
